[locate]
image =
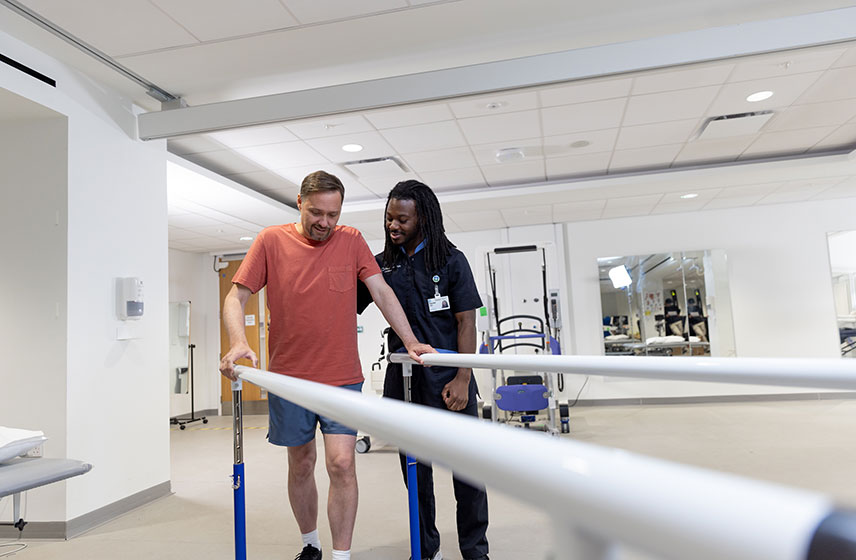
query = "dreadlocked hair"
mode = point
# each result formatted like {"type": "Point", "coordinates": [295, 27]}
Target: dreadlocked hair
{"type": "Point", "coordinates": [437, 245]}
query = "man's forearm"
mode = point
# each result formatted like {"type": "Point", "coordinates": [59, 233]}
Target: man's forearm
{"type": "Point", "coordinates": [233, 315]}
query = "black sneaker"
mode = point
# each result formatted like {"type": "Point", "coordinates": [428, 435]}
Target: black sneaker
{"type": "Point", "coordinates": [309, 552]}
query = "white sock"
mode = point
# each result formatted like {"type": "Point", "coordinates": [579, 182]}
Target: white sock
{"type": "Point", "coordinates": [311, 538]}
{"type": "Point", "coordinates": [341, 555]}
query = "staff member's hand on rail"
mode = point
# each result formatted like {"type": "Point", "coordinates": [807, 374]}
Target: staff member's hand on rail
{"type": "Point", "coordinates": [233, 318]}
{"type": "Point", "coordinates": [389, 306]}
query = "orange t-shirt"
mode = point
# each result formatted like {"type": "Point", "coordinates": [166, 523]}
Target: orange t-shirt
{"type": "Point", "coordinates": [312, 295]}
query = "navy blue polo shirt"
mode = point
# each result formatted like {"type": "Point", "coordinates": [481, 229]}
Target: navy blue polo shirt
{"type": "Point", "coordinates": [414, 285]}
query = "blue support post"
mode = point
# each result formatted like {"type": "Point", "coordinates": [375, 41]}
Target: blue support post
{"type": "Point", "coordinates": [412, 482]}
{"type": "Point", "coordinates": [238, 479]}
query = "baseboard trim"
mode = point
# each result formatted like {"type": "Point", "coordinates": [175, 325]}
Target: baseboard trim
{"type": "Point", "coordinates": [88, 521]}
{"type": "Point", "coordinates": [717, 399]}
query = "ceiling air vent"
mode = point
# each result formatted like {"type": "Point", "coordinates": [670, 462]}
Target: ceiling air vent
{"type": "Point", "coordinates": [376, 167]}
{"type": "Point", "coordinates": [737, 124]}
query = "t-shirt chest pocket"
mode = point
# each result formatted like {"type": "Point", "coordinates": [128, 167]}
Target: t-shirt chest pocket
{"type": "Point", "coordinates": [341, 278]}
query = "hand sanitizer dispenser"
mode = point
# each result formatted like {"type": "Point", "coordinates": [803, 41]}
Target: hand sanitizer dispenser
{"type": "Point", "coordinates": [129, 298]}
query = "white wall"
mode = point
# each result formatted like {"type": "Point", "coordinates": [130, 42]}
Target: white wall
{"type": "Point", "coordinates": [192, 278]}
{"type": "Point", "coordinates": [116, 408]}
{"type": "Point", "coordinates": [33, 328]}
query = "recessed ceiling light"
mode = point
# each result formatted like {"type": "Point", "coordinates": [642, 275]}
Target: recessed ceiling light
{"type": "Point", "coordinates": [689, 195]}
{"type": "Point", "coordinates": [495, 105]}
{"type": "Point", "coordinates": [759, 96]}
{"type": "Point", "coordinates": [246, 238]}
{"type": "Point", "coordinates": [352, 148]}
{"type": "Point", "coordinates": [580, 144]}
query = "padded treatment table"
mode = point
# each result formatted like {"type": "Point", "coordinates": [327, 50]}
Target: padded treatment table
{"type": "Point", "coordinates": [22, 474]}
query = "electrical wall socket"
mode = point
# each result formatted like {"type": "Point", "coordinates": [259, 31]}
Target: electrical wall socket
{"type": "Point", "coordinates": [37, 451]}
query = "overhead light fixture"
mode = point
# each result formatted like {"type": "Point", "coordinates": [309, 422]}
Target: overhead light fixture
{"type": "Point", "coordinates": [619, 276]}
{"type": "Point", "coordinates": [352, 148]}
{"type": "Point", "coordinates": [506, 155]}
{"type": "Point", "coordinates": [689, 195]}
{"type": "Point", "coordinates": [759, 96]}
{"type": "Point", "coordinates": [580, 144]}
{"type": "Point", "coordinates": [246, 238]}
{"type": "Point", "coordinates": [493, 105]}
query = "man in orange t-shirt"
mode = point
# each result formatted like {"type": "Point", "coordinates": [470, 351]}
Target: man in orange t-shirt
{"type": "Point", "coordinates": [311, 269]}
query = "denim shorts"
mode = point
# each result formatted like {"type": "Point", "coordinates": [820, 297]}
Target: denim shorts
{"type": "Point", "coordinates": [292, 425]}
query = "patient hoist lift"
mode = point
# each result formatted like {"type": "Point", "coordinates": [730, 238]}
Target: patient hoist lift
{"type": "Point", "coordinates": [519, 398]}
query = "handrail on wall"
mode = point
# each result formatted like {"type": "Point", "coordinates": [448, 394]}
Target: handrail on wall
{"type": "Point", "coordinates": [601, 498]}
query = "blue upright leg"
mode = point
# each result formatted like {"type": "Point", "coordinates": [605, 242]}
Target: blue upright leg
{"type": "Point", "coordinates": [238, 480]}
{"type": "Point", "coordinates": [412, 483]}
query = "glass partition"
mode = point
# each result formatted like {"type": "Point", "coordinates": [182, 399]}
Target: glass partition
{"type": "Point", "coordinates": [666, 304]}
{"type": "Point", "coordinates": [842, 260]}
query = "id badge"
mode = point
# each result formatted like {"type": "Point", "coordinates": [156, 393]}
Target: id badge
{"type": "Point", "coordinates": [439, 303]}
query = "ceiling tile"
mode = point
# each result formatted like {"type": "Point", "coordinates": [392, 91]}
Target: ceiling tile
{"type": "Point", "coordinates": [669, 106]}
{"type": "Point", "coordinates": [371, 229]}
{"type": "Point", "coordinates": [425, 137]}
{"type": "Point", "coordinates": [86, 18]}
{"type": "Point", "coordinates": [312, 11]}
{"type": "Point", "coordinates": [597, 115]}
{"type": "Point", "coordinates": [526, 216]}
{"type": "Point", "coordinates": [786, 142]}
{"type": "Point", "coordinates": [514, 173]}
{"type": "Point", "coordinates": [838, 83]}
{"type": "Point", "coordinates": [583, 92]}
{"type": "Point", "coordinates": [478, 220]}
{"type": "Point", "coordinates": [192, 145]}
{"type": "Point", "coordinates": [457, 179]}
{"type": "Point", "coordinates": [440, 160]}
{"type": "Point", "coordinates": [672, 132]}
{"type": "Point", "coordinates": [209, 20]}
{"type": "Point", "coordinates": [794, 195]}
{"type": "Point", "coordinates": [494, 104]}
{"type": "Point", "coordinates": [283, 155]}
{"type": "Point", "coordinates": [845, 189]}
{"type": "Point", "coordinates": [644, 158]}
{"type": "Point", "coordinates": [224, 162]}
{"type": "Point", "coordinates": [786, 90]}
{"type": "Point", "coordinates": [192, 220]}
{"type": "Point", "coordinates": [630, 206]}
{"type": "Point", "coordinates": [179, 234]}
{"type": "Point", "coordinates": [714, 150]}
{"type": "Point", "coordinates": [500, 128]}
{"type": "Point", "coordinates": [410, 116]}
{"type": "Point", "coordinates": [262, 180]}
{"type": "Point", "coordinates": [846, 59]}
{"type": "Point", "coordinates": [577, 166]}
{"type": "Point", "coordinates": [353, 189]}
{"type": "Point", "coordinates": [748, 191]}
{"type": "Point", "coordinates": [578, 211]}
{"type": "Point", "coordinates": [374, 146]}
{"type": "Point", "coordinates": [382, 185]}
{"type": "Point", "coordinates": [253, 136]}
{"type": "Point", "coordinates": [786, 64]}
{"type": "Point", "coordinates": [831, 113]}
{"type": "Point", "coordinates": [580, 143]}
{"type": "Point", "coordinates": [681, 78]}
{"type": "Point", "coordinates": [732, 202]}
{"type": "Point", "coordinates": [486, 154]}
{"type": "Point", "coordinates": [844, 137]}
{"type": "Point", "coordinates": [334, 125]}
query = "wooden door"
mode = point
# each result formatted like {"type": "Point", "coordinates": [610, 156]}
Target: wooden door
{"type": "Point", "coordinates": [250, 392]}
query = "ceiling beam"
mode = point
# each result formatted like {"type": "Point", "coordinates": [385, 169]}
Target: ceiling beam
{"type": "Point", "coordinates": [681, 48]}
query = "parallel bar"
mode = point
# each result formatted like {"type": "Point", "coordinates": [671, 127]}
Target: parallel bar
{"type": "Point", "coordinates": [412, 478]}
{"type": "Point", "coordinates": [654, 52]}
{"type": "Point", "coordinates": [665, 509]}
{"type": "Point", "coordinates": [238, 478]}
{"type": "Point", "coordinates": [828, 373]}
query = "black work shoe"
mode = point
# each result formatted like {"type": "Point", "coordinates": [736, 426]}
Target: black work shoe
{"type": "Point", "coordinates": [309, 552]}
{"type": "Point", "coordinates": [436, 556]}
{"type": "Point", "coordinates": [480, 558]}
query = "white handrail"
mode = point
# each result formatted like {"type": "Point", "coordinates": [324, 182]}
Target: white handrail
{"type": "Point", "coordinates": [825, 373]}
{"type": "Point", "coordinates": [596, 496]}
